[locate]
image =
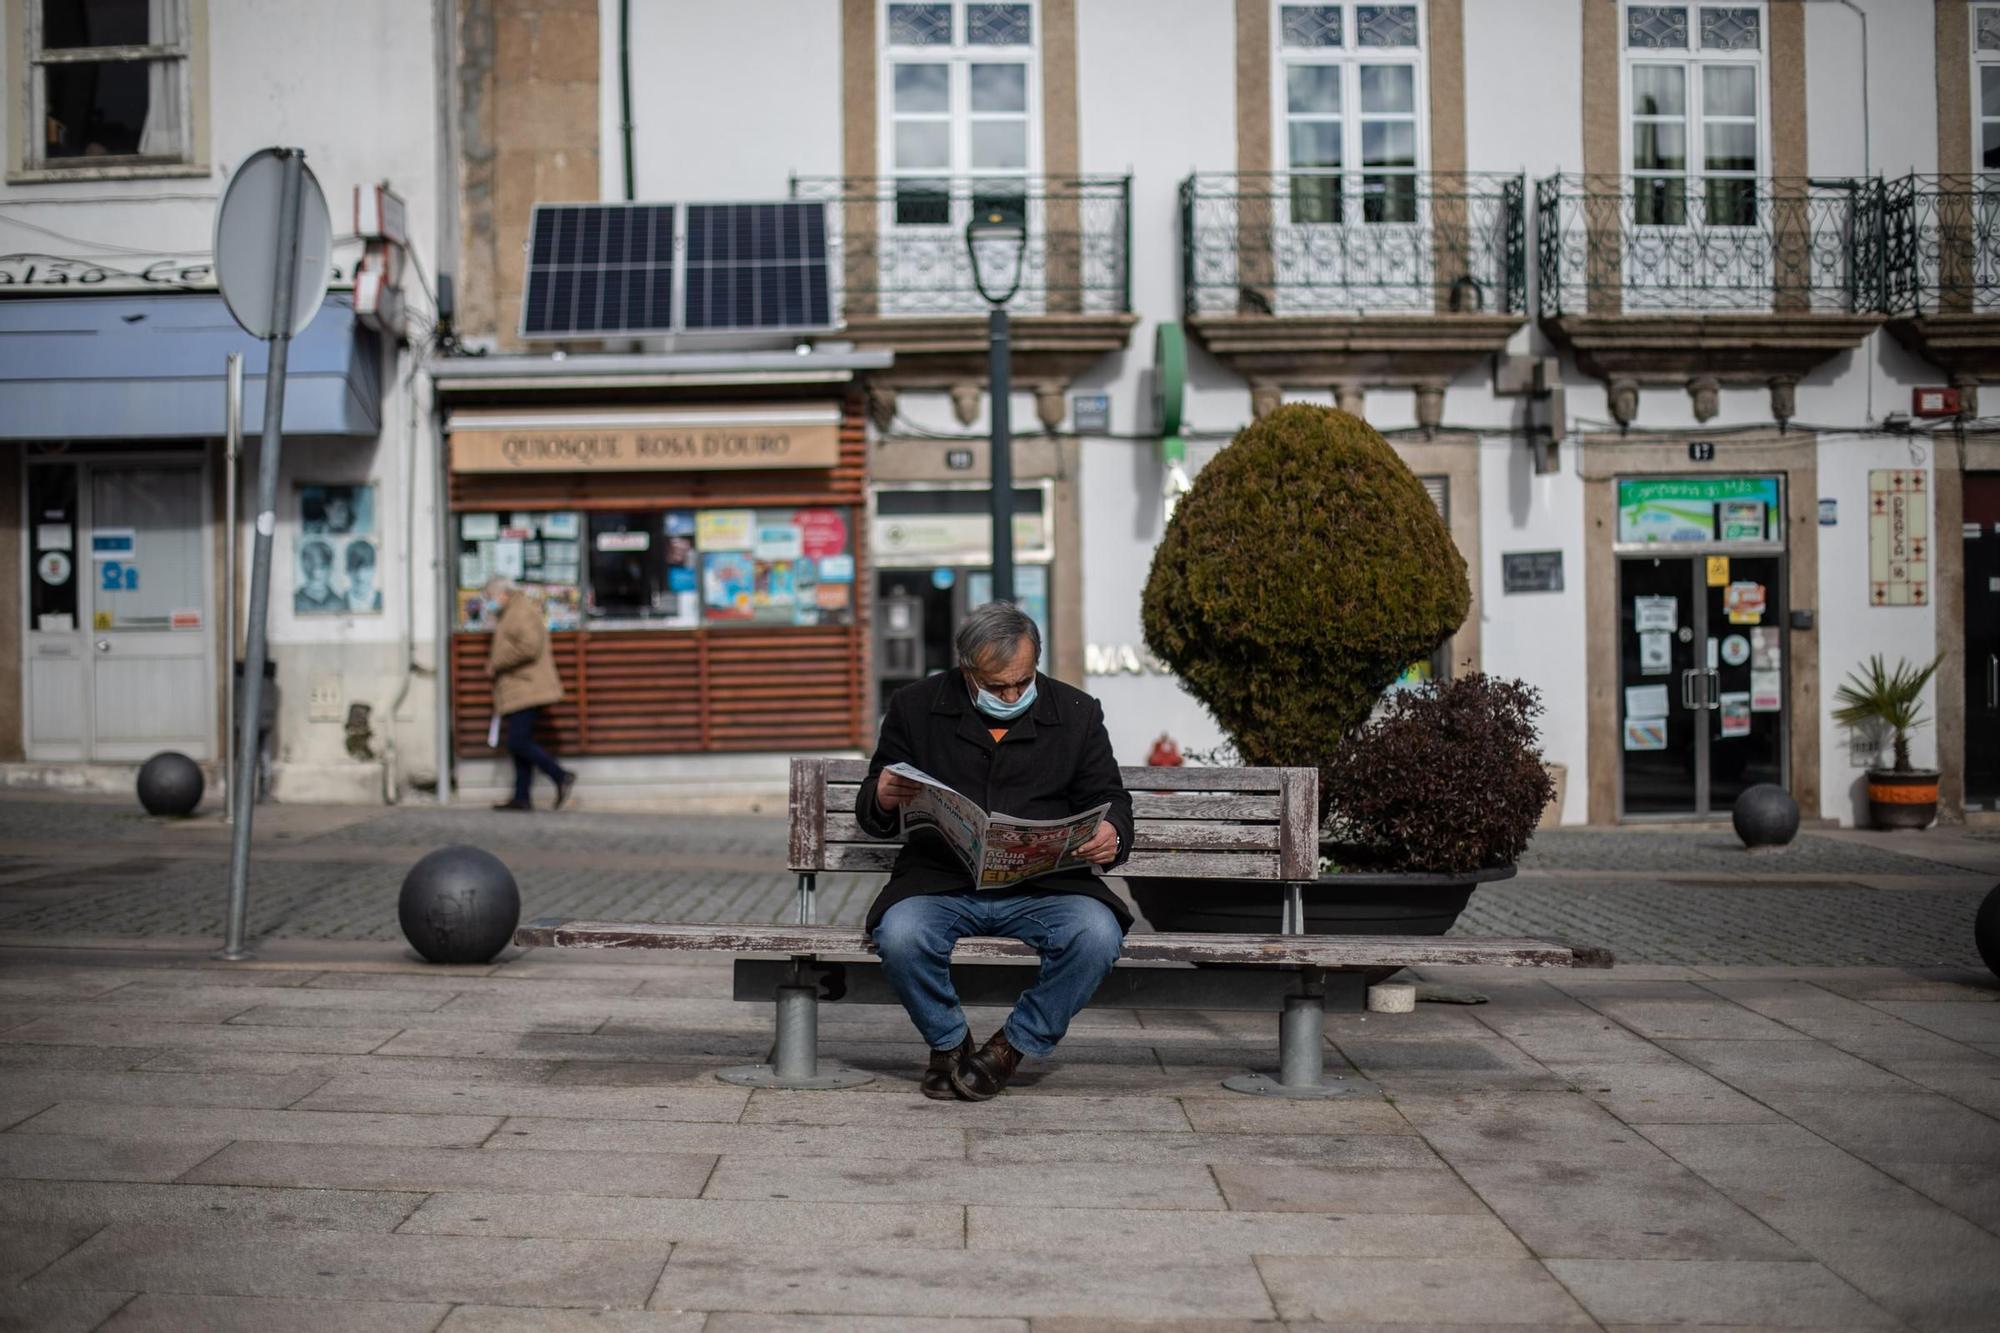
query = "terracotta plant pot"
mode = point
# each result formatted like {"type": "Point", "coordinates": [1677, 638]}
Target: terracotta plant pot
{"type": "Point", "coordinates": [1902, 800]}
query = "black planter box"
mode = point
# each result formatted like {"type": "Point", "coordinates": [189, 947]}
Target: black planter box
{"type": "Point", "coordinates": [1354, 903]}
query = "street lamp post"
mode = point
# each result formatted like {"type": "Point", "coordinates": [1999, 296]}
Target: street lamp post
{"type": "Point", "coordinates": [992, 233]}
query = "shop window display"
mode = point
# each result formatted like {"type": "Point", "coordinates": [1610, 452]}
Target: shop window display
{"type": "Point", "coordinates": [664, 568]}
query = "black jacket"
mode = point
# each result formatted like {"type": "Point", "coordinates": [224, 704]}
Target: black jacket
{"type": "Point", "coordinates": [1054, 761]}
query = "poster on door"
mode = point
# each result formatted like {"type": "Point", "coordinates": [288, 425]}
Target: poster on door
{"type": "Point", "coordinates": [1898, 537]}
{"type": "Point", "coordinates": [336, 558]}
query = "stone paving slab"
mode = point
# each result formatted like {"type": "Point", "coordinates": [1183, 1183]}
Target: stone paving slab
{"type": "Point", "coordinates": [177, 1123]}
{"type": "Point", "coordinates": [539, 1319]}
{"type": "Point", "coordinates": [792, 1223]}
{"type": "Point", "coordinates": [43, 1311]}
{"type": "Point", "coordinates": [1420, 1290]}
{"type": "Point", "coordinates": [79, 1157]}
{"type": "Point", "coordinates": [536, 1134]}
{"type": "Point", "coordinates": [1119, 1232]}
{"type": "Point", "coordinates": [354, 1167]}
{"type": "Point", "coordinates": [1344, 1190]}
{"type": "Point", "coordinates": [1780, 1295]}
{"type": "Point", "coordinates": [421, 1096]}
{"type": "Point", "coordinates": [1145, 1149]}
{"type": "Point", "coordinates": [151, 1312]}
{"type": "Point", "coordinates": [70, 1204]}
{"type": "Point", "coordinates": [886, 1281]}
{"type": "Point", "coordinates": [1086, 1185]}
{"type": "Point", "coordinates": [391, 1267]}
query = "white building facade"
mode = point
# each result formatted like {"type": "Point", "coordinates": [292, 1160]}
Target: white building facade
{"type": "Point", "coordinates": [122, 124]}
{"type": "Point", "coordinates": [1642, 290]}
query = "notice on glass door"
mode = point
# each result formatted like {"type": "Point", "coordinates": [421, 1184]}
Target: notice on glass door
{"type": "Point", "coordinates": [1656, 653]}
{"type": "Point", "coordinates": [1767, 691]}
{"type": "Point", "coordinates": [1645, 733]}
{"type": "Point", "coordinates": [1645, 701]}
{"type": "Point", "coordinates": [1735, 712]}
{"type": "Point", "coordinates": [1655, 613]}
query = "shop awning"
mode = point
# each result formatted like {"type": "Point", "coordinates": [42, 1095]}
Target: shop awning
{"type": "Point", "coordinates": [133, 367]}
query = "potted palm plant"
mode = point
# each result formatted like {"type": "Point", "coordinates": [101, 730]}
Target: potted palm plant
{"type": "Point", "coordinates": [1294, 583]}
{"type": "Point", "coordinates": [1901, 796]}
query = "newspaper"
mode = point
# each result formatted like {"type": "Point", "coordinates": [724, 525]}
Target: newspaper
{"type": "Point", "coordinates": [999, 850]}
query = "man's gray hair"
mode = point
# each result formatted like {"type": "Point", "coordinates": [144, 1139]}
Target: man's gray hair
{"type": "Point", "coordinates": [499, 583]}
{"type": "Point", "coordinates": [994, 629]}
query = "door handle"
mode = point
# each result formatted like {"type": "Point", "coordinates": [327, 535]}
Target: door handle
{"type": "Point", "coordinates": [104, 645]}
{"type": "Point", "coordinates": [1687, 691]}
{"type": "Point", "coordinates": [1714, 679]}
{"type": "Point", "coordinates": [1993, 680]}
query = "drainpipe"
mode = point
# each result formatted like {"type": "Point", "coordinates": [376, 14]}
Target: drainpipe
{"type": "Point", "coordinates": [625, 91]}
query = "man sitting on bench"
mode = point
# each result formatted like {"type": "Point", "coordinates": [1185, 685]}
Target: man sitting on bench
{"type": "Point", "coordinates": [1020, 744]}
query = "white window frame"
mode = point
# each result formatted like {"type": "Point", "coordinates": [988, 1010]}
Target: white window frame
{"type": "Point", "coordinates": [26, 152]}
{"type": "Point", "coordinates": [959, 56]}
{"type": "Point", "coordinates": [1350, 56]}
{"type": "Point", "coordinates": [1692, 60]}
{"type": "Point", "coordinates": [1981, 62]}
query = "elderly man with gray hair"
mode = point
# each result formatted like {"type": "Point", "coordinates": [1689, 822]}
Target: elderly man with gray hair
{"type": "Point", "coordinates": [1021, 744]}
{"type": "Point", "coordinates": [525, 682]}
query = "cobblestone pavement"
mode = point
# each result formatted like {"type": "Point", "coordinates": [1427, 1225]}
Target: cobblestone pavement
{"type": "Point", "coordinates": [96, 868]}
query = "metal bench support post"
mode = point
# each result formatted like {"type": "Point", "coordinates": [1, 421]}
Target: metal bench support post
{"type": "Point", "coordinates": [794, 1062]}
{"type": "Point", "coordinates": [1301, 1048]}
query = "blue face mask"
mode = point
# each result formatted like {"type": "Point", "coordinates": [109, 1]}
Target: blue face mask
{"type": "Point", "coordinates": [986, 703]}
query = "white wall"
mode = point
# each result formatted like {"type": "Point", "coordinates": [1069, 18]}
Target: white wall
{"type": "Point", "coordinates": [1538, 637]}
{"type": "Point", "coordinates": [1850, 629]}
{"type": "Point", "coordinates": [728, 100]}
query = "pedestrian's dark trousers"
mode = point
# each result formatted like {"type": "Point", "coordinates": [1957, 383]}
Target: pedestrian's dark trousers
{"type": "Point", "coordinates": [519, 730]}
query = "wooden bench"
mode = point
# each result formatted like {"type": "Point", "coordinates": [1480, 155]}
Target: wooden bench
{"type": "Point", "coordinates": [1257, 825]}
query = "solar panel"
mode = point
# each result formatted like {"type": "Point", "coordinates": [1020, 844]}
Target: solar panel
{"type": "Point", "coordinates": [603, 269]}
{"type": "Point", "coordinates": [599, 268]}
{"type": "Point", "coordinates": [756, 266]}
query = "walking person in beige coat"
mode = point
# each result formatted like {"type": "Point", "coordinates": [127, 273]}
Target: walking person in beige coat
{"type": "Point", "coordinates": [524, 683]}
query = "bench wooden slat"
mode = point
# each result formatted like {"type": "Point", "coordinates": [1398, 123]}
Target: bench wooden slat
{"type": "Point", "coordinates": [1136, 778]}
{"type": "Point", "coordinates": [1285, 950]}
{"type": "Point", "coordinates": [1145, 804]}
{"type": "Point", "coordinates": [1191, 835]}
{"type": "Point", "coordinates": [872, 857]}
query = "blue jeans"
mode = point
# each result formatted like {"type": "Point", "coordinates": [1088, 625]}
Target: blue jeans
{"type": "Point", "coordinates": [519, 727]}
{"type": "Point", "coordinates": [1077, 937]}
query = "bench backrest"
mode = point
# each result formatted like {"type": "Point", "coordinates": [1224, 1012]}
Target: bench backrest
{"type": "Point", "coordinates": [1213, 823]}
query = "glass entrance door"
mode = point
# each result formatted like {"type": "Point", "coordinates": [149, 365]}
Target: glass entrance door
{"type": "Point", "coordinates": [1982, 641]}
{"type": "Point", "coordinates": [1701, 672]}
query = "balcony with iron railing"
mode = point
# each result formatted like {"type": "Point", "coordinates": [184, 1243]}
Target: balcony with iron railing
{"type": "Point", "coordinates": [903, 278]}
{"type": "Point", "coordinates": [1940, 256]}
{"type": "Point", "coordinates": [1353, 279]}
{"type": "Point", "coordinates": [1703, 281]}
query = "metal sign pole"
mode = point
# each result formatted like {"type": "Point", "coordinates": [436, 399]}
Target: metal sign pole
{"type": "Point", "coordinates": [232, 449]}
{"type": "Point", "coordinates": [244, 794]}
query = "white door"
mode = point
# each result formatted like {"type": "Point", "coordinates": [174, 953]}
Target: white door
{"type": "Point", "coordinates": [151, 687]}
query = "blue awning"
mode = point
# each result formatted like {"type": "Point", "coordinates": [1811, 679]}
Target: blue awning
{"type": "Point", "coordinates": [133, 367]}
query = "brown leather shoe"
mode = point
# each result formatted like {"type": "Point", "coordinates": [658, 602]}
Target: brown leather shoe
{"type": "Point", "coordinates": [986, 1071]}
{"type": "Point", "coordinates": [937, 1077]}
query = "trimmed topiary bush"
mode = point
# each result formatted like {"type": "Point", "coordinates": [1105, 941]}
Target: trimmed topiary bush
{"type": "Point", "coordinates": [1305, 570]}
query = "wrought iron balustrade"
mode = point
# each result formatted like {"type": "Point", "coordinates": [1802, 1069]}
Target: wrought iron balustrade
{"type": "Point", "coordinates": [1940, 244]}
{"type": "Point", "coordinates": [1608, 245]}
{"type": "Point", "coordinates": [897, 244]}
{"type": "Point", "coordinates": [1316, 243]}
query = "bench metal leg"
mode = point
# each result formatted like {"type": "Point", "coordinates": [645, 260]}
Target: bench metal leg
{"type": "Point", "coordinates": [795, 1060]}
{"type": "Point", "coordinates": [1301, 1049]}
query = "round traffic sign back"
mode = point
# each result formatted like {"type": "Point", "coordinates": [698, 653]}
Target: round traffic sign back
{"type": "Point", "coordinates": [246, 243]}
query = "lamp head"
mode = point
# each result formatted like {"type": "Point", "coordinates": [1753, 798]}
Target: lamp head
{"type": "Point", "coordinates": [996, 239]}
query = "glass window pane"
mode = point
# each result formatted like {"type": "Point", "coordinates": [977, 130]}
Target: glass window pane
{"type": "Point", "coordinates": [1315, 143]}
{"type": "Point", "coordinates": [1729, 90]}
{"type": "Point", "coordinates": [1658, 90]}
{"type": "Point", "coordinates": [1388, 143]}
{"type": "Point", "coordinates": [1385, 25]}
{"type": "Point", "coordinates": [1000, 88]}
{"type": "Point", "coordinates": [1315, 199]}
{"type": "Point", "coordinates": [627, 570]}
{"type": "Point", "coordinates": [1660, 201]}
{"type": "Point", "coordinates": [1989, 90]}
{"type": "Point", "coordinates": [920, 25]}
{"type": "Point", "coordinates": [922, 88]}
{"type": "Point", "coordinates": [68, 24]}
{"type": "Point", "coordinates": [1000, 145]}
{"type": "Point", "coordinates": [1312, 88]}
{"type": "Point", "coordinates": [922, 204]}
{"type": "Point", "coordinates": [1734, 28]}
{"type": "Point", "coordinates": [1008, 203]}
{"type": "Point", "coordinates": [1989, 28]}
{"type": "Point", "coordinates": [997, 25]}
{"type": "Point", "coordinates": [1659, 147]}
{"type": "Point", "coordinates": [1729, 147]}
{"type": "Point", "coordinates": [1390, 88]}
{"type": "Point", "coordinates": [1656, 28]}
{"type": "Point", "coordinates": [1731, 203]}
{"type": "Point", "coordinates": [1989, 146]}
{"type": "Point", "coordinates": [1312, 26]}
{"type": "Point", "coordinates": [923, 145]}
{"type": "Point", "coordinates": [1389, 198]}
{"type": "Point", "coordinates": [99, 108]}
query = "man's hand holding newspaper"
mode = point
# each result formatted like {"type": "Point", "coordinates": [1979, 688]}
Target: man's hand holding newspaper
{"type": "Point", "coordinates": [998, 849]}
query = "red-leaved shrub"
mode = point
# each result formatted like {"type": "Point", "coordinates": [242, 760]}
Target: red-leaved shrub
{"type": "Point", "coordinates": [1447, 777]}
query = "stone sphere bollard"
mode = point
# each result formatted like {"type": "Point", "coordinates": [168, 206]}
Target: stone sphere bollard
{"type": "Point", "coordinates": [170, 783]}
{"type": "Point", "coordinates": [459, 905]}
{"type": "Point", "coordinates": [1986, 931]}
{"type": "Point", "coordinates": [1765, 816]}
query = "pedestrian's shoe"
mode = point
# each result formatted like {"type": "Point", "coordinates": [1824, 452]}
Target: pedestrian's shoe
{"type": "Point", "coordinates": [937, 1077]}
{"type": "Point", "coordinates": [982, 1075]}
{"type": "Point", "coordinates": [513, 805]}
{"type": "Point", "coordinates": [564, 786]}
